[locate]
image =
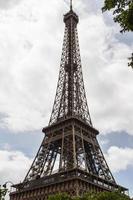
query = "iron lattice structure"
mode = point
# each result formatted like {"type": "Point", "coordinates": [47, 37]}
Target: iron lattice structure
{"type": "Point", "coordinates": [69, 158]}
{"type": "Point", "coordinates": [70, 97]}
{"type": "Point", "coordinates": [70, 149]}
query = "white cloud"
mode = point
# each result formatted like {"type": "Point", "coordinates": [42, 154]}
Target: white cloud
{"type": "Point", "coordinates": [13, 166]}
{"type": "Point", "coordinates": [30, 47]}
{"type": "Point", "coordinates": [103, 142]}
{"type": "Point", "coordinates": [8, 3]}
{"type": "Point", "coordinates": [119, 158]}
{"type": "Point", "coordinates": [26, 68]}
{"type": "Point", "coordinates": [108, 80]}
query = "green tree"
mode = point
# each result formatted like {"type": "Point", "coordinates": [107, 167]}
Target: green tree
{"type": "Point", "coordinates": [123, 14]}
{"type": "Point", "coordinates": [3, 192]}
{"type": "Point", "coordinates": [92, 196]}
{"type": "Point", "coordinates": [60, 196]}
{"type": "Point", "coordinates": [106, 196]}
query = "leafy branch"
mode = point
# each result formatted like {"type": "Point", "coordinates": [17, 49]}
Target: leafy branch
{"type": "Point", "coordinates": [123, 14]}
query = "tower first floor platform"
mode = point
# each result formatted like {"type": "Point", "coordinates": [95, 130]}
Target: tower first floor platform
{"type": "Point", "coordinates": [74, 182]}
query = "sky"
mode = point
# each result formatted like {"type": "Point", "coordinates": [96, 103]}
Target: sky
{"type": "Point", "coordinates": [31, 37]}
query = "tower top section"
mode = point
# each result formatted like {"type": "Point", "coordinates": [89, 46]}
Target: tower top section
{"type": "Point", "coordinates": [70, 100]}
{"type": "Point", "coordinates": [71, 15]}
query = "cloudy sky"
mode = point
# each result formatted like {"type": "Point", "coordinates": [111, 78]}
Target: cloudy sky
{"type": "Point", "coordinates": [31, 34]}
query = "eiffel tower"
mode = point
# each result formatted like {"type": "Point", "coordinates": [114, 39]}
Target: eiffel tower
{"type": "Point", "coordinates": [69, 159]}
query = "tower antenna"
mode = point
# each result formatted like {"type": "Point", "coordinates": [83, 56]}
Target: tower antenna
{"type": "Point", "coordinates": [71, 5]}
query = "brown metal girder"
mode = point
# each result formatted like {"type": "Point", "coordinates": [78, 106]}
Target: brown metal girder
{"type": "Point", "coordinates": [69, 179]}
{"type": "Point", "coordinates": [88, 175]}
{"type": "Point", "coordinates": [58, 183]}
{"type": "Point", "coordinates": [59, 137]}
{"type": "Point", "coordinates": [69, 121]}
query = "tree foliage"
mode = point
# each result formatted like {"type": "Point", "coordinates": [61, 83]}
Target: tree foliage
{"type": "Point", "coordinates": [60, 196]}
{"type": "Point", "coordinates": [122, 11]}
{"type": "Point", "coordinates": [123, 14]}
{"type": "Point", "coordinates": [130, 64]}
{"type": "Point", "coordinates": [106, 196]}
{"type": "Point", "coordinates": [3, 192]}
{"type": "Point", "coordinates": [92, 196]}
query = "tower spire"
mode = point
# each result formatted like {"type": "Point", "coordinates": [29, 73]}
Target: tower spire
{"type": "Point", "coordinates": [71, 5]}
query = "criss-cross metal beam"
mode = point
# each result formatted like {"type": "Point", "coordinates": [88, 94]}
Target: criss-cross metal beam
{"type": "Point", "coordinates": [70, 146]}
{"type": "Point", "coordinates": [70, 99]}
